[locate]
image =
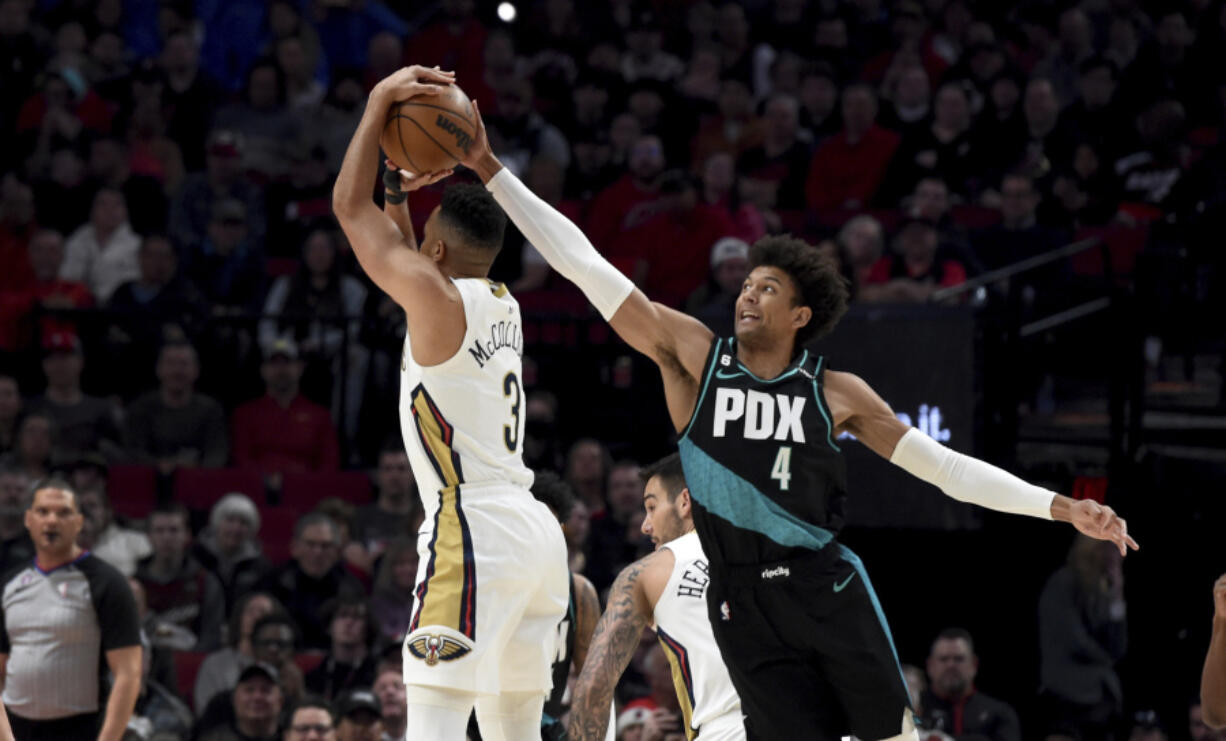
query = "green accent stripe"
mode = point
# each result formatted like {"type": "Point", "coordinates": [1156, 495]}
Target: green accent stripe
{"type": "Point", "coordinates": [727, 495]}
{"type": "Point", "coordinates": [821, 405]}
{"type": "Point", "coordinates": [719, 341]}
{"type": "Point", "coordinates": [850, 557]}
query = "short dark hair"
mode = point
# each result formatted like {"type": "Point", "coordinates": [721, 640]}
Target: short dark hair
{"type": "Point", "coordinates": [311, 519]}
{"type": "Point", "coordinates": [173, 509]}
{"type": "Point", "coordinates": [956, 634]}
{"type": "Point", "coordinates": [52, 482]}
{"type": "Point", "coordinates": [278, 617]}
{"type": "Point", "coordinates": [819, 284]}
{"type": "Point", "coordinates": [553, 491]}
{"type": "Point", "coordinates": [668, 469]}
{"type": "Point", "coordinates": [470, 210]}
{"type": "Point", "coordinates": [308, 702]}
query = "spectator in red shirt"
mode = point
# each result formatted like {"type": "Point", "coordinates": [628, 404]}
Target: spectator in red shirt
{"type": "Point", "coordinates": [915, 270]}
{"type": "Point", "coordinates": [629, 201]}
{"type": "Point", "coordinates": [282, 431]}
{"type": "Point", "coordinates": [16, 226]}
{"type": "Point", "coordinates": [455, 41]}
{"type": "Point", "coordinates": [848, 167]}
{"type": "Point", "coordinates": [48, 291]}
{"type": "Point", "coordinates": [673, 248]}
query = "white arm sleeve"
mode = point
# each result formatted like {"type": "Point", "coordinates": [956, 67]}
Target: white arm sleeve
{"type": "Point", "coordinates": [969, 479]}
{"type": "Point", "coordinates": [561, 243]}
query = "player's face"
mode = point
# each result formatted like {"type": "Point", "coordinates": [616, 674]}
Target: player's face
{"type": "Point", "coordinates": [661, 521]}
{"type": "Point", "coordinates": [53, 521]}
{"type": "Point", "coordinates": [766, 310]}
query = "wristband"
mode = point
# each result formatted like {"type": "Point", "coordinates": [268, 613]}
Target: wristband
{"type": "Point", "coordinates": [395, 198]}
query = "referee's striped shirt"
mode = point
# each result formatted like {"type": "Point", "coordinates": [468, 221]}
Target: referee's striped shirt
{"type": "Point", "coordinates": [56, 627]}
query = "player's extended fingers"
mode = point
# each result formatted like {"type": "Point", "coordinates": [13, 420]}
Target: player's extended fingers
{"type": "Point", "coordinates": [1132, 543]}
{"type": "Point", "coordinates": [444, 77]}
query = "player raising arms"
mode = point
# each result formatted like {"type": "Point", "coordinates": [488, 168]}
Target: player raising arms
{"type": "Point", "coordinates": [793, 612]}
{"type": "Point", "coordinates": [492, 585]}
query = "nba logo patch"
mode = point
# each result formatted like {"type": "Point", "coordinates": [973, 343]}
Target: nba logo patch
{"type": "Point", "coordinates": [63, 589]}
{"type": "Point", "coordinates": [725, 613]}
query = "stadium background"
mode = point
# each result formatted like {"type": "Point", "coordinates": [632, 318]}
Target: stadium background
{"type": "Point", "coordinates": [1123, 403]}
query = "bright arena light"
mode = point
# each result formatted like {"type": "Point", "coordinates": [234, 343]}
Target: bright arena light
{"type": "Point", "coordinates": [506, 11]}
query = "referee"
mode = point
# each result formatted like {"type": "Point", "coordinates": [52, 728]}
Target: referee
{"type": "Point", "coordinates": [59, 616]}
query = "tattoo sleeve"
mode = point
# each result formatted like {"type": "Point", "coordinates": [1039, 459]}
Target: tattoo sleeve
{"type": "Point", "coordinates": [613, 644]}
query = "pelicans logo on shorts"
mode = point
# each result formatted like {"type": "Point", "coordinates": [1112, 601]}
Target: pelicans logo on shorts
{"type": "Point", "coordinates": [433, 648]}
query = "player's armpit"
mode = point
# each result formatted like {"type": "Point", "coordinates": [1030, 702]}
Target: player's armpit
{"type": "Point", "coordinates": [858, 409]}
{"type": "Point", "coordinates": [432, 304]}
{"type": "Point", "coordinates": [613, 644]}
{"type": "Point", "coordinates": [677, 342]}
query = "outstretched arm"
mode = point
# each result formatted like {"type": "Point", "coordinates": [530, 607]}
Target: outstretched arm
{"type": "Point", "coordinates": [676, 342]}
{"type": "Point", "coordinates": [859, 410]}
{"type": "Point", "coordinates": [1213, 680]}
{"type": "Point", "coordinates": [613, 644]}
{"type": "Point", "coordinates": [432, 304]}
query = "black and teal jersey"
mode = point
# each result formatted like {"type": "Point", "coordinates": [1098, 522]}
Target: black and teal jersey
{"type": "Point", "coordinates": [765, 474]}
{"type": "Point", "coordinates": [555, 707]}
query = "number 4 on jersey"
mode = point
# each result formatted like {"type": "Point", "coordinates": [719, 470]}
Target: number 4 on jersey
{"type": "Point", "coordinates": [782, 470]}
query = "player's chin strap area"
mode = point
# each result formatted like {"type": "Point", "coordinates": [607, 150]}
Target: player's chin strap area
{"type": "Point", "coordinates": [561, 243]}
{"type": "Point", "coordinates": [969, 479]}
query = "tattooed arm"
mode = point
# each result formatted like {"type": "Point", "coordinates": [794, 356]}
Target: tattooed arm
{"type": "Point", "coordinates": [613, 644]}
{"type": "Point", "coordinates": [587, 612]}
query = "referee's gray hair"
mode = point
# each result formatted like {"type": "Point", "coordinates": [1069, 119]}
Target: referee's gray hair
{"type": "Point", "coordinates": [51, 482]}
{"type": "Point", "coordinates": [235, 504]}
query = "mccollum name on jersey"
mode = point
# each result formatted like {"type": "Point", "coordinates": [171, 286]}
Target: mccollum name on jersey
{"type": "Point", "coordinates": [502, 335]}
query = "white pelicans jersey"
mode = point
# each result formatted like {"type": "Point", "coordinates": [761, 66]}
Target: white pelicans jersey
{"type": "Point", "coordinates": [709, 703]}
{"type": "Point", "coordinates": [492, 581]}
{"type": "Point", "coordinates": [462, 419]}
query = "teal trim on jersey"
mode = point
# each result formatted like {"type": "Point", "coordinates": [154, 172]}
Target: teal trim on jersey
{"type": "Point", "coordinates": [821, 406]}
{"type": "Point", "coordinates": [731, 497]}
{"type": "Point", "coordinates": [850, 557]}
{"type": "Point", "coordinates": [803, 359]}
{"type": "Point", "coordinates": [702, 394]}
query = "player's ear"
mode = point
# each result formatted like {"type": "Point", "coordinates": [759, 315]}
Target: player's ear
{"type": "Point", "coordinates": [801, 315]}
{"type": "Point", "coordinates": [436, 250]}
{"type": "Point", "coordinates": [684, 506]}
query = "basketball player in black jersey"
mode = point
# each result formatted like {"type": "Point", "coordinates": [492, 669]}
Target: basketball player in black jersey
{"type": "Point", "coordinates": [582, 612]}
{"type": "Point", "coordinates": [793, 612]}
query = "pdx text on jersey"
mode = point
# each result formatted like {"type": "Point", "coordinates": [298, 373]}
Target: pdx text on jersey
{"type": "Point", "coordinates": [763, 415]}
{"type": "Point", "coordinates": [504, 334]}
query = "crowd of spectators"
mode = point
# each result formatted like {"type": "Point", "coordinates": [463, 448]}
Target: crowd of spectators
{"type": "Point", "coordinates": [176, 296]}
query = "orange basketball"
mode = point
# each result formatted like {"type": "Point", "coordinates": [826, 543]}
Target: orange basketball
{"type": "Point", "coordinates": [428, 133]}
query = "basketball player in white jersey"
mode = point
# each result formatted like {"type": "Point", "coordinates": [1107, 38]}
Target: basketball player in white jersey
{"type": "Point", "coordinates": [666, 590]}
{"type": "Point", "coordinates": [492, 585]}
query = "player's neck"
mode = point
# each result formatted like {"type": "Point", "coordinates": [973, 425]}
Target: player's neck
{"type": "Point", "coordinates": [764, 361]}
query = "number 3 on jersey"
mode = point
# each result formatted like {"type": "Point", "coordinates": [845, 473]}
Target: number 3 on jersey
{"type": "Point", "coordinates": [782, 470]}
{"type": "Point", "coordinates": [510, 433]}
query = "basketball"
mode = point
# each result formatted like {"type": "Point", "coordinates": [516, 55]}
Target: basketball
{"type": "Point", "coordinates": [428, 133]}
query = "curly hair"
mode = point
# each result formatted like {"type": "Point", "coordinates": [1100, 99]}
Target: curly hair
{"type": "Point", "coordinates": [819, 285]}
{"type": "Point", "coordinates": [552, 490]}
{"type": "Point", "coordinates": [472, 212]}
